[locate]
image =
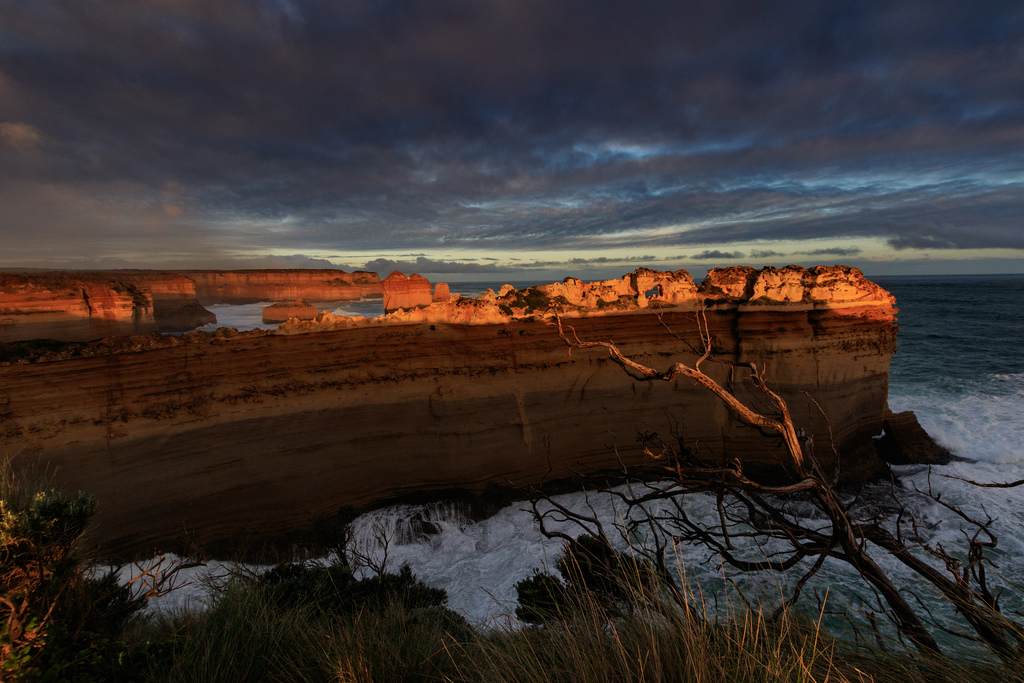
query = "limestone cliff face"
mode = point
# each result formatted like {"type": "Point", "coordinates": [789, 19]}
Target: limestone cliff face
{"type": "Point", "coordinates": [78, 306]}
{"type": "Point", "coordinates": [83, 306]}
{"type": "Point", "coordinates": [406, 292]}
{"type": "Point", "coordinates": [249, 435]}
{"type": "Point", "coordinates": [251, 286]}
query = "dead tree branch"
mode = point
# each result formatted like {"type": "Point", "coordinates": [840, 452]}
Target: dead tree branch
{"type": "Point", "coordinates": [805, 519]}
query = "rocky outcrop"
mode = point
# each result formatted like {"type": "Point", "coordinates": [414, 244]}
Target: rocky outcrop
{"type": "Point", "coordinates": [82, 306]}
{"type": "Point", "coordinates": [401, 292]}
{"type": "Point", "coordinates": [252, 286]}
{"type": "Point", "coordinates": [279, 313]}
{"type": "Point", "coordinates": [247, 435]}
{"type": "Point", "coordinates": [820, 287]}
{"type": "Point", "coordinates": [905, 442]}
{"type": "Point", "coordinates": [408, 300]}
{"type": "Point", "coordinates": [77, 306]}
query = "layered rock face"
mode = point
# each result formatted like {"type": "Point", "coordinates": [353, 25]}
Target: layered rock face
{"type": "Point", "coordinates": [251, 286]}
{"type": "Point", "coordinates": [441, 292]}
{"type": "Point", "coordinates": [83, 306]}
{"type": "Point", "coordinates": [405, 292]}
{"type": "Point", "coordinates": [248, 435]}
{"type": "Point", "coordinates": [79, 306]}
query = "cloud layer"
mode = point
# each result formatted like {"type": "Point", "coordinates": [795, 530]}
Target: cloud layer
{"type": "Point", "coordinates": [156, 131]}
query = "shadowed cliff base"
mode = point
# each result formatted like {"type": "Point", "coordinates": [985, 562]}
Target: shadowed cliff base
{"type": "Point", "coordinates": [228, 435]}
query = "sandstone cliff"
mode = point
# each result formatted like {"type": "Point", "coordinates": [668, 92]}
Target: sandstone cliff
{"type": "Point", "coordinates": [251, 286]}
{"type": "Point", "coordinates": [78, 306]}
{"type": "Point", "coordinates": [81, 305]}
{"type": "Point", "coordinates": [244, 435]}
{"type": "Point", "coordinates": [405, 292]}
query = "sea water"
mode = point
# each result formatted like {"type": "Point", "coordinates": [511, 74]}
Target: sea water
{"type": "Point", "coordinates": [959, 365]}
{"type": "Point", "coordinates": [244, 317]}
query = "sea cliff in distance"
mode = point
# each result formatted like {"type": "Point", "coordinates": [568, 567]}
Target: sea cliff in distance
{"type": "Point", "coordinates": [251, 435]}
{"type": "Point", "coordinates": [82, 305]}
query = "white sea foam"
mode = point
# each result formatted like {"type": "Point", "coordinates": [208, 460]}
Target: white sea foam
{"type": "Point", "coordinates": [981, 420]}
{"type": "Point", "coordinates": [479, 563]}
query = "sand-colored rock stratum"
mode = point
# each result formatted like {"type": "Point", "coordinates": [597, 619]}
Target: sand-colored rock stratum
{"type": "Point", "coordinates": [249, 435]}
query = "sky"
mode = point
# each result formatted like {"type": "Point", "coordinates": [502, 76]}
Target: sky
{"type": "Point", "coordinates": [531, 139]}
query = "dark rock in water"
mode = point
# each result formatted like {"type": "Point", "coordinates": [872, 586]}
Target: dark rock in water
{"type": "Point", "coordinates": [420, 527]}
{"type": "Point", "coordinates": [905, 442]}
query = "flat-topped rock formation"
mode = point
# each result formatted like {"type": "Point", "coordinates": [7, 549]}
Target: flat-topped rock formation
{"type": "Point", "coordinates": [441, 292]}
{"type": "Point", "coordinates": [252, 286]}
{"type": "Point", "coordinates": [249, 435]}
{"type": "Point", "coordinates": [280, 312]}
{"type": "Point", "coordinates": [405, 292]}
{"type": "Point", "coordinates": [81, 306]}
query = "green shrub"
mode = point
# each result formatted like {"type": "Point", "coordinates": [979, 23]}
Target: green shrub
{"type": "Point", "coordinates": [535, 299]}
{"type": "Point", "coordinates": [334, 589]}
{"type": "Point", "coordinates": [541, 598]}
{"type": "Point", "coordinates": [56, 622]}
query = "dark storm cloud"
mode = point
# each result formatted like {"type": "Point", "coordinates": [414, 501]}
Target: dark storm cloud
{"type": "Point", "coordinates": [601, 260]}
{"type": "Point", "coordinates": [155, 127]}
{"type": "Point", "coordinates": [425, 265]}
{"type": "Point", "coordinates": [716, 255]}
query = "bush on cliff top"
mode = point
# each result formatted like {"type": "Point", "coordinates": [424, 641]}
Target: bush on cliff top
{"type": "Point", "coordinates": [57, 621]}
{"type": "Point", "coordinates": [604, 621]}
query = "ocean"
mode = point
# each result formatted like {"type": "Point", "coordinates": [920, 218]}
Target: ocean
{"type": "Point", "coordinates": [959, 365]}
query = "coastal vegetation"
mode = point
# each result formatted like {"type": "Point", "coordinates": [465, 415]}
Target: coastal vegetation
{"type": "Point", "coordinates": [617, 607]}
{"type": "Point", "coordinates": [607, 616]}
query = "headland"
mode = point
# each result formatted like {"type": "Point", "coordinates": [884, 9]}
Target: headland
{"type": "Point", "coordinates": [250, 435]}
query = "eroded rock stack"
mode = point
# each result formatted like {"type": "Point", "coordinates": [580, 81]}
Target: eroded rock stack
{"type": "Point", "coordinates": [401, 292]}
{"type": "Point", "coordinates": [280, 312]}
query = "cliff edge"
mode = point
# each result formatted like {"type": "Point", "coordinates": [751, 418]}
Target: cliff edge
{"type": "Point", "coordinates": [81, 306]}
{"type": "Point", "coordinates": [246, 435]}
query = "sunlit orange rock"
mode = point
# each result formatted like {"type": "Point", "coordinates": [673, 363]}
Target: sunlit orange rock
{"type": "Point", "coordinates": [79, 306]}
{"type": "Point", "coordinates": [406, 292]}
{"type": "Point", "coordinates": [254, 434]}
{"type": "Point", "coordinates": [280, 312]}
{"type": "Point", "coordinates": [251, 286]}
